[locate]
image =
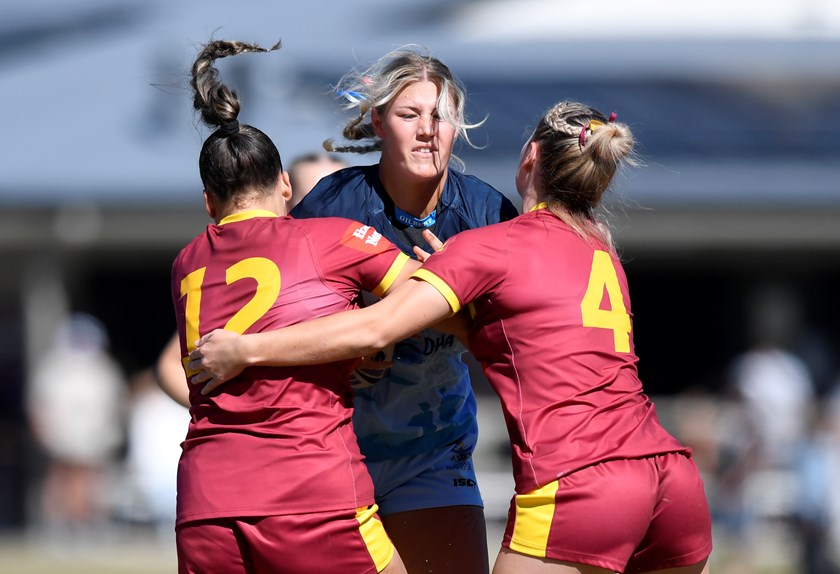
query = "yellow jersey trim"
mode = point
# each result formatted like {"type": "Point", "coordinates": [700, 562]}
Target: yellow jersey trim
{"type": "Point", "coordinates": [393, 272]}
{"type": "Point", "coordinates": [249, 214]}
{"type": "Point", "coordinates": [441, 286]}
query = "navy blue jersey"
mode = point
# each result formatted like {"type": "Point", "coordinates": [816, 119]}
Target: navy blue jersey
{"type": "Point", "coordinates": [425, 402]}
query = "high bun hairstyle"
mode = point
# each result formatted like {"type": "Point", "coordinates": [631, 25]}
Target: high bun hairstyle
{"type": "Point", "coordinates": [580, 152]}
{"type": "Point", "coordinates": [376, 86]}
{"type": "Point", "coordinates": [236, 160]}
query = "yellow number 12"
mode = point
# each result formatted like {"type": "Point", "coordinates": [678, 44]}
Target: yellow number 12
{"type": "Point", "coordinates": [616, 319]}
{"type": "Point", "coordinates": [263, 271]}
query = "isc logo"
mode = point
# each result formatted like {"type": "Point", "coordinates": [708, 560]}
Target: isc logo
{"type": "Point", "coordinates": [463, 482]}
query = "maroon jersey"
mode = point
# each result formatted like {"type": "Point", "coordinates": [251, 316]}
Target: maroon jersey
{"type": "Point", "coordinates": [553, 331]}
{"type": "Point", "coordinates": [274, 440]}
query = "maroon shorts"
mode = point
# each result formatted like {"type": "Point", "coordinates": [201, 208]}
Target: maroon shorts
{"type": "Point", "coordinates": [625, 515]}
{"type": "Point", "coordinates": [344, 541]}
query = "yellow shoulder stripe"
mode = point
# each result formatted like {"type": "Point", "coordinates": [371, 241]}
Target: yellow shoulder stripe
{"type": "Point", "coordinates": [441, 286]}
{"type": "Point", "coordinates": [392, 274]}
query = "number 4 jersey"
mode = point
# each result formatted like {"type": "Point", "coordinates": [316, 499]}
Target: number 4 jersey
{"type": "Point", "coordinates": [274, 440]}
{"type": "Point", "coordinates": [552, 328]}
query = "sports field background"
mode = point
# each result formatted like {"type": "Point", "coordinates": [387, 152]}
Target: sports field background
{"type": "Point", "coordinates": [736, 107]}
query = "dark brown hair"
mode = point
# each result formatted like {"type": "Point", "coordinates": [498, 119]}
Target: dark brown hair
{"type": "Point", "coordinates": [235, 160]}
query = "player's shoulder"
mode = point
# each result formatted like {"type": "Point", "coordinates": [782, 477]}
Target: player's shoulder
{"type": "Point", "coordinates": [337, 229]}
{"type": "Point", "coordinates": [337, 193]}
{"type": "Point", "coordinates": [495, 234]}
{"type": "Point", "coordinates": [197, 244]}
{"type": "Point", "coordinates": [472, 185]}
{"type": "Point", "coordinates": [485, 202]}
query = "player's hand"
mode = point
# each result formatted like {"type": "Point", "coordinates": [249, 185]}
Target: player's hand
{"type": "Point", "coordinates": [370, 369]}
{"type": "Point", "coordinates": [376, 362]}
{"type": "Point", "coordinates": [433, 242]}
{"type": "Point", "coordinates": [217, 358]}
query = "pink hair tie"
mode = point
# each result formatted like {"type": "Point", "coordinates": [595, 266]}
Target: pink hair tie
{"type": "Point", "coordinates": [582, 139]}
{"type": "Point", "coordinates": [591, 126]}
{"type": "Point", "coordinates": [613, 117]}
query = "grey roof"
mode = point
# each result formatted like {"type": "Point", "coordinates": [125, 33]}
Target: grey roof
{"type": "Point", "coordinates": [97, 107]}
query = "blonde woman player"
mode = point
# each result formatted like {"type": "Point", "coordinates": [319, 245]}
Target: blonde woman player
{"type": "Point", "coordinates": [416, 424]}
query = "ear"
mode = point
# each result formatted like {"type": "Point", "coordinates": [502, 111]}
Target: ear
{"type": "Point", "coordinates": [284, 185]}
{"type": "Point", "coordinates": [526, 171]}
{"type": "Point", "coordinates": [376, 122]}
{"type": "Point", "coordinates": [528, 161]}
{"type": "Point", "coordinates": [532, 152]}
{"type": "Point", "coordinates": [210, 204]}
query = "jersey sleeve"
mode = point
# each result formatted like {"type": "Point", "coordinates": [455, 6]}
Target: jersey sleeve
{"type": "Point", "coordinates": [335, 195]}
{"type": "Point", "coordinates": [471, 264]}
{"type": "Point", "coordinates": [349, 249]}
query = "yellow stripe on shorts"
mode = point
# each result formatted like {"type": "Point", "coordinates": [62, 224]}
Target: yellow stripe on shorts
{"type": "Point", "coordinates": [534, 514]}
{"type": "Point", "coordinates": [379, 546]}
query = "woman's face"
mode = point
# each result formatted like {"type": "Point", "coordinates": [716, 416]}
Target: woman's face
{"type": "Point", "coordinates": [416, 142]}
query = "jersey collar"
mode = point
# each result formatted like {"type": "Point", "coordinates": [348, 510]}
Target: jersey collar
{"type": "Point", "coordinates": [250, 214]}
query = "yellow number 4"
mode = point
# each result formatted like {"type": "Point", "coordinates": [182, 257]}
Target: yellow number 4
{"type": "Point", "coordinates": [616, 319]}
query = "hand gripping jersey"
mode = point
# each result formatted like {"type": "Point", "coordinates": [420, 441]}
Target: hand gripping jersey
{"type": "Point", "coordinates": [552, 328]}
{"type": "Point", "coordinates": [425, 402]}
{"type": "Point", "coordinates": [274, 440]}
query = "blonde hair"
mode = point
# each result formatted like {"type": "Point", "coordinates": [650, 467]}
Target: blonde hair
{"type": "Point", "coordinates": [376, 86]}
{"type": "Point", "coordinates": [580, 152]}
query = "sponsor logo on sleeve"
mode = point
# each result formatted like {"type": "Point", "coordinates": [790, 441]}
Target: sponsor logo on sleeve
{"type": "Point", "coordinates": [364, 238]}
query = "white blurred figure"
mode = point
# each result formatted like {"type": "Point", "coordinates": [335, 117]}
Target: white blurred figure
{"type": "Point", "coordinates": [777, 393]}
{"type": "Point", "coordinates": [774, 384]}
{"type": "Point", "coordinates": [75, 403]}
{"type": "Point", "coordinates": [156, 427]}
{"type": "Point", "coordinates": [774, 403]}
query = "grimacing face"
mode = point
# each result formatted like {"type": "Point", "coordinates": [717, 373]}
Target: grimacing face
{"type": "Point", "coordinates": [416, 141]}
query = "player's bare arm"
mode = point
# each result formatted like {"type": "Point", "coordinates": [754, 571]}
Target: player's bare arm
{"type": "Point", "coordinates": [414, 306]}
{"type": "Point", "coordinates": [169, 372]}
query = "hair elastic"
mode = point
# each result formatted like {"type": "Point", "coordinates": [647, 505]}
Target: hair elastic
{"type": "Point", "coordinates": [351, 96]}
{"type": "Point", "coordinates": [593, 125]}
{"type": "Point", "coordinates": [229, 128]}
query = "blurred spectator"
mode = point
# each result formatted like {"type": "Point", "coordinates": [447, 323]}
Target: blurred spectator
{"type": "Point", "coordinates": [767, 421]}
{"type": "Point", "coordinates": [75, 404]}
{"type": "Point", "coordinates": [307, 170]}
{"type": "Point", "coordinates": [818, 474]}
{"type": "Point", "coordinates": [156, 427]}
{"type": "Point", "coordinates": [773, 384]}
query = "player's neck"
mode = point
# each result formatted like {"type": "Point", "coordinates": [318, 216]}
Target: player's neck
{"type": "Point", "coordinates": [418, 198]}
{"type": "Point", "coordinates": [268, 204]}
